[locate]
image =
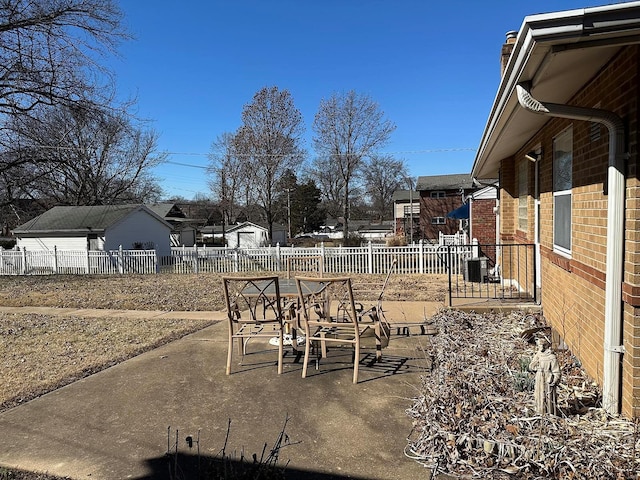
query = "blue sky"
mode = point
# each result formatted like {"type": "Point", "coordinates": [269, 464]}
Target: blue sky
{"type": "Point", "coordinates": [433, 67]}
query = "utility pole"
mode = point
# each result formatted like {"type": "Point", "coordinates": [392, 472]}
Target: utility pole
{"type": "Point", "coordinates": [289, 211]}
{"type": "Point", "coordinates": [410, 210]}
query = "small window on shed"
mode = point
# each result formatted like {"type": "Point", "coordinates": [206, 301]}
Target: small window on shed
{"type": "Point", "coordinates": [437, 194]}
{"type": "Point", "coordinates": [437, 220]}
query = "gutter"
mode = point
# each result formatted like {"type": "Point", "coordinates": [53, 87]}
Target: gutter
{"type": "Point", "coordinates": [613, 348]}
{"type": "Point", "coordinates": [540, 38]}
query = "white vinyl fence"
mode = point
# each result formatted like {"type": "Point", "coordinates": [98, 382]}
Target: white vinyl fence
{"type": "Point", "coordinates": [370, 259]}
{"type": "Point", "coordinates": [77, 262]}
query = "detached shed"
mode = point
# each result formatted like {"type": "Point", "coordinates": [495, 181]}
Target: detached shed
{"type": "Point", "coordinates": [247, 235]}
{"type": "Point", "coordinates": [101, 227]}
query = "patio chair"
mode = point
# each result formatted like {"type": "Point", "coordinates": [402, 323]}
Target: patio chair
{"type": "Point", "coordinates": [374, 311]}
{"type": "Point", "coordinates": [307, 266]}
{"type": "Point", "coordinates": [329, 316]}
{"type": "Point", "coordinates": [254, 310]}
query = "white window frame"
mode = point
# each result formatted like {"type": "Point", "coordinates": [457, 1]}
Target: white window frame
{"type": "Point", "coordinates": [409, 210]}
{"type": "Point", "coordinates": [562, 190]}
{"type": "Point", "coordinates": [438, 194]}
{"type": "Point", "coordinates": [438, 221]}
{"type": "Point", "coordinates": [523, 195]}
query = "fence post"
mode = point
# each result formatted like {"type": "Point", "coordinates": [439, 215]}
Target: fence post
{"type": "Point", "coordinates": [370, 257]}
{"type": "Point", "coordinates": [421, 256]}
{"type": "Point", "coordinates": [156, 261]}
{"type": "Point", "coordinates": [449, 273]}
{"type": "Point", "coordinates": [120, 260]}
{"type": "Point", "coordinates": [195, 259]}
{"type": "Point", "coordinates": [278, 258]}
{"type": "Point", "coordinates": [88, 258]}
{"type": "Point", "coordinates": [474, 250]}
{"type": "Point", "coordinates": [24, 261]}
{"type": "Point", "coordinates": [235, 261]}
{"type": "Point", "coordinates": [55, 259]}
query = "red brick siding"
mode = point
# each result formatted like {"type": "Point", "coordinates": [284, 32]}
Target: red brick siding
{"type": "Point", "coordinates": [483, 221]}
{"type": "Point", "coordinates": [438, 207]}
{"type": "Point", "coordinates": [573, 288]}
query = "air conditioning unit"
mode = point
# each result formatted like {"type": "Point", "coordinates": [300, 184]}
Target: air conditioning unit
{"type": "Point", "coordinates": [475, 269]}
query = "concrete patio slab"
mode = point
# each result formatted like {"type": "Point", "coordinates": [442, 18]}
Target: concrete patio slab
{"type": "Point", "coordinates": [119, 423]}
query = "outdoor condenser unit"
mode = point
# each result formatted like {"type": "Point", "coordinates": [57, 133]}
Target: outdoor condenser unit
{"type": "Point", "coordinates": [475, 269]}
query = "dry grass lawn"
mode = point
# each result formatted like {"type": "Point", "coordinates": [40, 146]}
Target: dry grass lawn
{"type": "Point", "coordinates": [39, 353]}
{"type": "Point", "coordinates": [171, 291]}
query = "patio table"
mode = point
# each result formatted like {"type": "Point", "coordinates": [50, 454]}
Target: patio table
{"type": "Point", "coordinates": [289, 292]}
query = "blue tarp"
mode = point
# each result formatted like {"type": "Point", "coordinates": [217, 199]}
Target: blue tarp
{"type": "Point", "coordinates": [460, 213]}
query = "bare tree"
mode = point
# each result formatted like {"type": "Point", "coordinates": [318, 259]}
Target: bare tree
{"type": "Point", "coordinates": [382, 176]}
{"type": "Point", "coordinates": [327, 175]}
{"type": "Point", "coordinates": [269, 140]}
{"type": "Point", "coordinates": [83, 156]}
{"type": "Point", "coordinates": [228, 176]}
{"type": "Point", "coordinates": [49, 51]}
{"type": "Point", "coordinates": [50, 61]}
{"type": "Point", "coordinates": [348, 128]}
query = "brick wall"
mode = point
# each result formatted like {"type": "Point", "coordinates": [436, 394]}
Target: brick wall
{"type": "Point", "coordinates": [508, 201]}
{"type": "Point", "coordinates": [438, 207]}
{"type": "Point", "coordinates": [573, 287]}
{"type": "Point", "coordinates": [483, 220]}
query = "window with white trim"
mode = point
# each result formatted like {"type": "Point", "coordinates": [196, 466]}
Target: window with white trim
{"type": "Point", "coordinates": [437, 220]}
{"type": "Point", "coordinates": [562, 185]}
{"type": "Point", "coordinates": [411, 210]}
{"type": "Point", "coordinates": [437, 194]}
{"type": "Point", "coordinates": [523, 195]}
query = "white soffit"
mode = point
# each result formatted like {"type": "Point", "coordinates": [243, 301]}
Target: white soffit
{"type": "Point", "coordinates": [557, 67]}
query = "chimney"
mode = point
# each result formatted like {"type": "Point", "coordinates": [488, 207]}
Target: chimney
{"type": "Point", "coordinates": [507, 48]}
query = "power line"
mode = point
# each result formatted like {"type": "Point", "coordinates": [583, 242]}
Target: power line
{"type": "Point", "coordinates": [185, 164]}
{"type": "Point", "coordinates": [274, 155]}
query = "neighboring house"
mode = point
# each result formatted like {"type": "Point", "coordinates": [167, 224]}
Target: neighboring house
{"type": "Point", "coordinates": [483, 215]}
{"type": "Point", "coordinates": [373, 232]}
{"type": "Point", "coordinates": [439, 195]}
{"type": "Point", "coordinates": [211, 234]}
{"type": "Point", "coordinates": [183, 231]}
{"type": "Point", "coordinates": [406, 212]}
{"type": "Point", "coordinates": [563, 137]}
{"type": "Point", "coordinates": [103, 227]}
{"type": "Point", "coordinates": [378, 232]}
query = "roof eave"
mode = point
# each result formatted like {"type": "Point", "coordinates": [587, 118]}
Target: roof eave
{"type": "Point", "coordinates": [69, 231]}
{"type": "Point", "coordinates": [541, 39]}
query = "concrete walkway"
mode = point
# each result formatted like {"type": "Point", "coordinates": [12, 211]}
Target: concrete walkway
{"type": "Point", "coordinates": [120, 422]}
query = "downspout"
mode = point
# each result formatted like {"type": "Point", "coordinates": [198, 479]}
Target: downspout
{"type": "Point", "coordinates": [613, 348]}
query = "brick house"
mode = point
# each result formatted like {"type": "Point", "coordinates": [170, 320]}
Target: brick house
{"type": "Point", "coordinates": [439, 195]}
{"type": "Point", "coordinates": [483, 214]}
{"type": "Point", "coordinates": [562, 135]}
{"type": "Point", "coordinates": [406, 211]}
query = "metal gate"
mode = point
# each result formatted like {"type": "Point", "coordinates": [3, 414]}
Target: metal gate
{"type": "Point", "coordinates": [491, 271]}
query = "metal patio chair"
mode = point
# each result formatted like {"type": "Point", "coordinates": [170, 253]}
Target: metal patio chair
{"type": "Point", "coordinates": [329, 317]}
{"type": "Point", "coordinates": [254, 310]}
